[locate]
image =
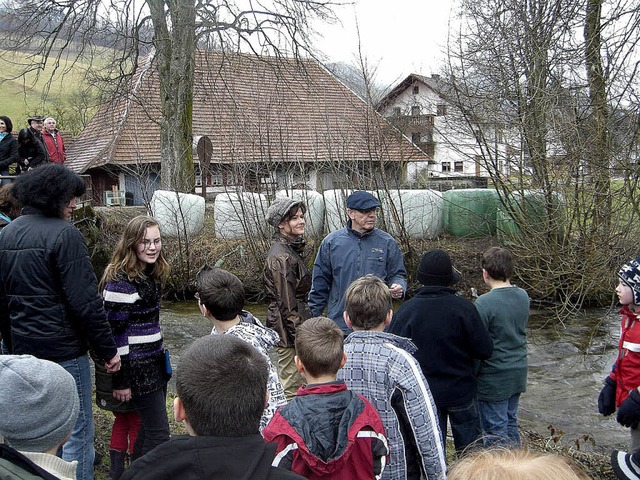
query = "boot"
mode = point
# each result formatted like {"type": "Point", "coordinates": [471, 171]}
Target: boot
{"type": "Point", "coordinates": [117, 464]}
{"type": "Point", "coordinates": [625, 465]}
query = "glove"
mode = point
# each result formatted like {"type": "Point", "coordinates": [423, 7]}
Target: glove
{"type": "Point", "coordinates": [607, 398]}
{"type": "Point", "coordinates": [629, 411]}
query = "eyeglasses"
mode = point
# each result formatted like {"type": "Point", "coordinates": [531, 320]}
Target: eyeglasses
{"type": "Point", "coordinates": [147, 243]}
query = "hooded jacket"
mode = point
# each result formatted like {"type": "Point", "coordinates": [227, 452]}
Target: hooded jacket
{"type": "Point", "coordinates": [287, 281]}
{"type": "Point", "coordinates": [451, 339]}
{"type": "Point", "coordinates": [49, 302]}
{"type": "Point", "coordinates": [209, 458]}
{"type": "Point", "coordinates": [262, 339]}
{"type": "Point", "coordinates": [328, 431]}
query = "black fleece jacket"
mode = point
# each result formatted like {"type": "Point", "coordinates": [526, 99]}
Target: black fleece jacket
{"type": "Point", "coordinates": [450, 337]}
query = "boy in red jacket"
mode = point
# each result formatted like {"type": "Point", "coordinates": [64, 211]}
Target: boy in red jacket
{"type": "Point", "coordinates": [326, 431]}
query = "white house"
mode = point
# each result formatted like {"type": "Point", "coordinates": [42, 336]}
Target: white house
{"type": "Point", "coordinates": [419, 108]}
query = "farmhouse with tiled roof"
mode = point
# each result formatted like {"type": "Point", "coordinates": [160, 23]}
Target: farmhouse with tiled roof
{"type": "Point", "coordinates": [266, 122]}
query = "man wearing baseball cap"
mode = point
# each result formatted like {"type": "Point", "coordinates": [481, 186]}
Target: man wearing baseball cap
{"type": "Point", "coordinates": [352, 252]}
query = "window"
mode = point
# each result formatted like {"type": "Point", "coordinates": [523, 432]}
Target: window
{"type": "Point", "coordinates": [416, 89]}
{"type": "Point", "coordinates": [441, 110]}
{"type": "Point", "coordinates": [415, 137]}
{"type": "Point", "coordinates": [415, 110]}
{"type": "Point", "coordinates": [458, 166]}
{"type": "Point", "coordinates": [446, 166]}
{"type": "Point", "coordinates": [217, 180]}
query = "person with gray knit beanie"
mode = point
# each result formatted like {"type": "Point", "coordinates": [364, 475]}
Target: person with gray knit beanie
{"type": "Point", "coordinates": [40, 405]}
{"type": "Point", "coordinates": [287, 282]}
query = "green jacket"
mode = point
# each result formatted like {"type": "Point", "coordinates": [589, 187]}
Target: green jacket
{"type": "Point", "coordinates": [505, 312]}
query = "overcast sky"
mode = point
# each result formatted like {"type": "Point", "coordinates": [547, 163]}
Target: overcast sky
{"type": "Point", "coordinates": [401, 37]}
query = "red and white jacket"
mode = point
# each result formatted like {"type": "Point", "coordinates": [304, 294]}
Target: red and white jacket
{"type": "Point", "coordinates": [626, 369]}
{"type": "Point", "coordinates": [327, 431]}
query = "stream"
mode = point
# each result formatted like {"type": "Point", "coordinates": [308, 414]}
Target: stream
{"type": "Point", "coordinates": [567, 365]}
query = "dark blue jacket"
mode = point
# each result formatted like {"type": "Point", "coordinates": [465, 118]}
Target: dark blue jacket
{"type": "Point", "coordinates": [346, 255]}
{"type": "Point", "coordinates": [450, 337]}
{"type": "Point", "coordinates": [49, 302]}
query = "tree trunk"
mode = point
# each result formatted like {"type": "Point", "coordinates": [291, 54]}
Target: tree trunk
{"type": "Point", "coordinates": [599, 138]}
{"type": "Point", "coordinates": [175, 57]}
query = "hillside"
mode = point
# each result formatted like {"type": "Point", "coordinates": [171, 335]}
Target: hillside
{"type": "Point", "coordinates": [60, 91]}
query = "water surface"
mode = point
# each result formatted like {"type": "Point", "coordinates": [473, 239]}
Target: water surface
{"type": "Point", "coordinates": [567, 365]}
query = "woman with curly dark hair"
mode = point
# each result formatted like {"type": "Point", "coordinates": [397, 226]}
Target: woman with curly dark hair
{"type": "Point", "coordinates": [49, 302]}
{"type": "Point", "coordinates": [31, 151]}
{"type": "Point", "coordinates": [8, 148]}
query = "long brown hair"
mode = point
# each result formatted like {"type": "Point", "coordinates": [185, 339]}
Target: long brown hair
{"type": "Point", "coordinates": [125, 260]}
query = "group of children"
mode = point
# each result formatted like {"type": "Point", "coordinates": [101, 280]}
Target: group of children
{"type": "Point", "coordinates": [366, 410]}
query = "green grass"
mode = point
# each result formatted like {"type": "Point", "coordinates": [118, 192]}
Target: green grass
{"type": "Point", "coordinates": [62, 92]}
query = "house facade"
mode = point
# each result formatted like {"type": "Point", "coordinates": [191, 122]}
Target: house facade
{"type": "Point", "coordinates": [419, 108]}
{"type": "Point", "coordinates": [260, 124]}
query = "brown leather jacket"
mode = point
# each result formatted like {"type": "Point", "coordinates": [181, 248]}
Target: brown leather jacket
{"type": "Point", "coordinates": [287, 281]}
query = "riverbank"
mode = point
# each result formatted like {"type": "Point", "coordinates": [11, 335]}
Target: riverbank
{"type": "Point", "coordinates": [245, 258]}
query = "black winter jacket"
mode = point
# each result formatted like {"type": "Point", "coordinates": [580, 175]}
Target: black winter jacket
{"type": "Point", "coordinates": [104, 390]}
{"type": "Point", "coordinates": [34, 151]}
{"type": "Point", "coordinates": [450, 337]}
{"type": "Point", "coordinates": [8, 152]}
{"type": "Point", "coordinates": [49, 301]}
{"type": "Point", "coordinates": [210, 458]}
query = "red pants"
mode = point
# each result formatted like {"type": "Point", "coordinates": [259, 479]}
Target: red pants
{"type": "Point", "coordinates": [124, 431]}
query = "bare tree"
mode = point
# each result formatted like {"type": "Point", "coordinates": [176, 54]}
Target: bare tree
{"type": "Point", "coordinates": [170, 30]}
{"type": "Point", "coordinates": [535, 84]}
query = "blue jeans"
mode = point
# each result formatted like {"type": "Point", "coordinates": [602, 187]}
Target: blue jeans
{"type": "Point", "coordinates": [80, 446]}
{"type": "Point", "coordinates": [465, 424]}
{"type": "Point", "coordinates": [499, 422]}
{"type": "Point", "coordinates": [154, 428]}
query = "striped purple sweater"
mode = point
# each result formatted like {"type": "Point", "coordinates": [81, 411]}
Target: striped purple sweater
{"type": "Point", "coordinates": [133, 311]}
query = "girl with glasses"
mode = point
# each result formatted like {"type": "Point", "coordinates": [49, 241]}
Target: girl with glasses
{"type": "Point", "coordinates": [132, 288]}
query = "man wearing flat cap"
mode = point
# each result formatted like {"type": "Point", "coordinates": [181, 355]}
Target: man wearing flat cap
{"type": "Point", "coordinates": [352, 252]}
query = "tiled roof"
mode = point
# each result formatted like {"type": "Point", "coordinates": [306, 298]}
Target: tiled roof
{"type": "Point", "coordinates": [254, 109]}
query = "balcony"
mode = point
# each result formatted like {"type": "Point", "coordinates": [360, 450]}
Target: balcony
{"type": "Point", "coordinates": [404, 121]}
{"type": "Point", "coordinates": [427, 147]}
